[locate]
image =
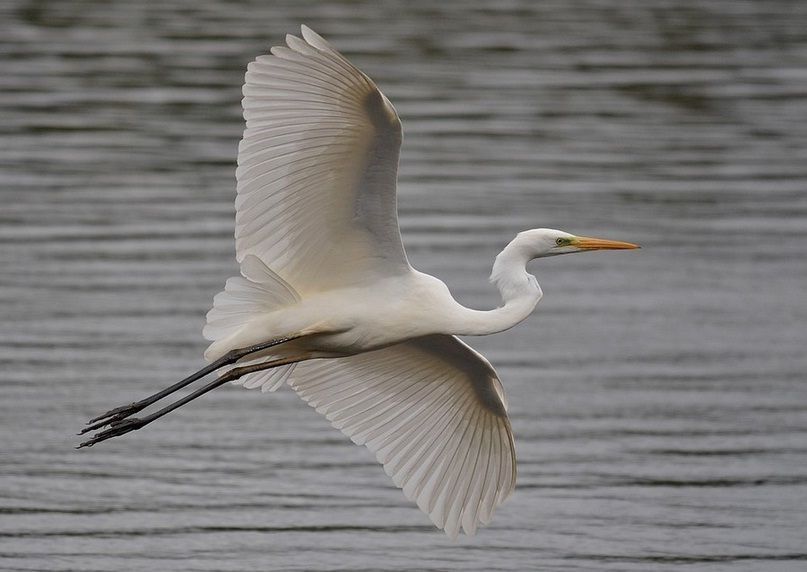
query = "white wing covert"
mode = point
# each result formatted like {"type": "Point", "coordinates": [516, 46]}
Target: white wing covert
{"type": "Point", "coordinates": [433, 411]}
{"type": "Point", "coordinates": [317, 169]}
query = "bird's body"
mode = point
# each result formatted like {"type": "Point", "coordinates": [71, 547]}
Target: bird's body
{"type": "Point", "coordinates": [347, 320]}
{"type": "Point", "coordinates": [328, 303]}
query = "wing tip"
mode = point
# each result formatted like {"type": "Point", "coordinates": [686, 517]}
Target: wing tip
{"type": "Point", "coordinates": [315, 40]}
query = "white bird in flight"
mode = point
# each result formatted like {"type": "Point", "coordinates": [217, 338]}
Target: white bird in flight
{"type": "Point", "coordinates": [328, 303]}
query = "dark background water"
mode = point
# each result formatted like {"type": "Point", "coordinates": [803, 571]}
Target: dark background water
{"type": "Point", "coordinates": [658, 397]}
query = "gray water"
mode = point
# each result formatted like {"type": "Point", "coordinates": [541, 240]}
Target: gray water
{"type": "Point", "coordinates": [658, 396]}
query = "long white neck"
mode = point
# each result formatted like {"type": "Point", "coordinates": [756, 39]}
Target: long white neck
{"type": "Point", "coordinates": [519, 289]}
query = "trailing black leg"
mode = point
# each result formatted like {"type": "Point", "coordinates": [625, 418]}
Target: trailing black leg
{"type": "Point", "coordinates": [126, 425]}
{"type": "Point", "coordinates": [120, 413]}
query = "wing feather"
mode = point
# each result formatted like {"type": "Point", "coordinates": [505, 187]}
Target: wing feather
{"type": "Point", "coordinates": [432, 411]}
{"type": "Point", "coordinates": [317, 169]}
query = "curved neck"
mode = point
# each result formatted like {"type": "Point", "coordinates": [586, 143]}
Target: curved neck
{"type": "Point", "coordinates": [519, 289]}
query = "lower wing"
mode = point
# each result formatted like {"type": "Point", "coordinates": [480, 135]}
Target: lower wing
{"type": "Point", "coordinates": [433, 411]}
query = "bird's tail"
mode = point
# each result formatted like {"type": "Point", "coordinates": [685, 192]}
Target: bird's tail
{"type": "Point", "coordinates": [256, 292]}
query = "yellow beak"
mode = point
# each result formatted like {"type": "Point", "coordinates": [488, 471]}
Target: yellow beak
{"type": "Point", "coordinates": [588, 243]}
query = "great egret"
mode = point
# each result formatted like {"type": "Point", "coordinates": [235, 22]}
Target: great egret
{"type": "Point", "coordinates": [328, 303]}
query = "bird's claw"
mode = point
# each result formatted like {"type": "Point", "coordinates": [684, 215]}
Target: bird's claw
{"type": "Point", "coordinates": [116, 428]}
{"type": "Point", "coordinates": [118, 413]}
{"type": "Point", "coordinates": [100, 424]}
{"type": "Point", "coordinates": [112, 416]}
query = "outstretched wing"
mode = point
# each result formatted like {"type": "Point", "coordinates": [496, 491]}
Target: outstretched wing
{"type": "Point", "coordinates": [433, 411]}
{"type": "Point", "coordinates": [317, 169]}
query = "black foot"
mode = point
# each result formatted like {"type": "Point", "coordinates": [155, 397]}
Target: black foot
{"type": "Point", "coordinates": [113, 416]}
{"type": "Point", "coordinates": [119, 412]}
{"type": "Point", "coordinates": [116, 429]}
{"type": "Point", "coordinates": [119, 419]}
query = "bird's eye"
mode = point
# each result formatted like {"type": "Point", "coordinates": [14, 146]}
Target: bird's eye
{"type": "Point", "coordinates": [560, 241]}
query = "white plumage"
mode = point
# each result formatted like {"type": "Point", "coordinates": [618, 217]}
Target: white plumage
{"type": "Point", "coordinates": [432, 411]}
{"type": "Point", "coordinates": [317, 169]}
{"type": "Point", "coordinates": [328, 303]}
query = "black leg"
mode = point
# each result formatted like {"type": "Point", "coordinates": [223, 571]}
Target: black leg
{"type": "Point", "coordinates": [127, 425]}
{"type": "Point", "coordinates": [120, 413]}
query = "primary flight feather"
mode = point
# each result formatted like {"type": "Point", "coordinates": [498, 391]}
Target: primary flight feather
{"type": "Point", "coordinates": [328, 303]}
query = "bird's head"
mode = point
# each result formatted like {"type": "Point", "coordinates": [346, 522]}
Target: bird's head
{"type": "Point", "coordinates": [543, 242]}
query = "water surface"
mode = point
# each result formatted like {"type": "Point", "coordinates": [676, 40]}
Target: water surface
{"type": "Point", "coordinates": [658, 397]}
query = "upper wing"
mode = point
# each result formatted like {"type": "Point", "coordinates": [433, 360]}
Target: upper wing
{"type": "Point", "coordinates": [317, 169]}
{"type": "Point", "coordinates": [433, 411]}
